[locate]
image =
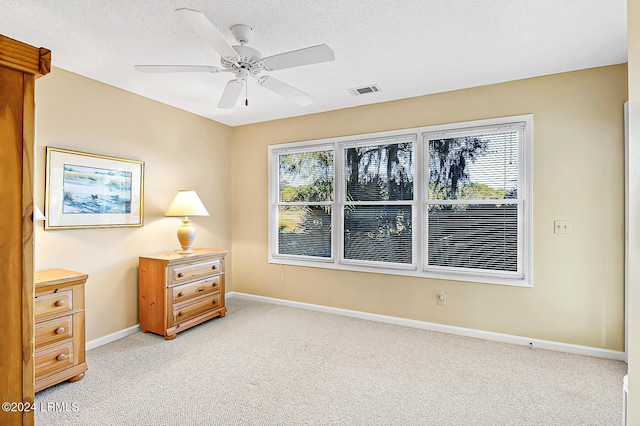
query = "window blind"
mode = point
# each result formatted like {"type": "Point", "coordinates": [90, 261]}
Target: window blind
{"type": "Point", "coordinates": [304, 197]}
{"type": "Point", "coordinates": [472, 200]}
{"type": "Point", "coordinates": [446, 201]}
{"type": "Point", "coordinates": [379, 193]}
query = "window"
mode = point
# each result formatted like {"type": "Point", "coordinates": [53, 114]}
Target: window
{"type": "Point", "coordinates": [472, 201]}
{"type": "Point", "coordinates": [378, 201]}
{"type": "Point", "coordinates": [305, 194]}
{"type": "Point", "coordinates": [449, 201]}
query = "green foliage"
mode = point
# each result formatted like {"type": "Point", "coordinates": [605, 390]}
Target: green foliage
{"type": "Point", "coordinates": [317, 191]}
{"type": "Point", "coordinates": [380, 172]}
{"type": "Point", "coordinates": [372, 173]}
{"type": "Point", "coordinates": [448, 159]}
{"type": "Point", "coordinates": [306, 176]}
{"type": "Point", "coordinates": [470, 191]}
{"type": "Point", "coordinates": [304, 230]}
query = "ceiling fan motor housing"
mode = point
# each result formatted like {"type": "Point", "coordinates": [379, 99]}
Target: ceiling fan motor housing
{"type": "Point", "coordinates": [248, 59]}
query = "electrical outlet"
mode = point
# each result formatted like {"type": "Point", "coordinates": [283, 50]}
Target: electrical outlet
{"type": "Point", "coordinates": [442, 298]}
{"type": "Point", "coordinates": [561, 227]}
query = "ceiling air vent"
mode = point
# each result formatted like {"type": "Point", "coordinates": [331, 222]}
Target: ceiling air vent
{"type": "Point", "coordinates": [364, 90]}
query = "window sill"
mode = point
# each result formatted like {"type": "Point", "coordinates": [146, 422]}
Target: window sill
{"type": "Point", "coordinates": [413, 272]}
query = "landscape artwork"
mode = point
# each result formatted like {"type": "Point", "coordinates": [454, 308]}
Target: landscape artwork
{"type": "Point", "coordinates": [94, 190]}
{"type": "Point", "coordinates": [85, 190]}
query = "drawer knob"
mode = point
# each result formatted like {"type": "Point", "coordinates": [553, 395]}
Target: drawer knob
{"type": "Point", "coordinates": [200, 290]}
{"type": "Point", "coordinates": [180, 274]}
{"type": "Point", "coordinates": [59, 302]}
{"type": "Point", "coordinates": [214, 267]}
{"type": "Point", "coordinates": [61, 357]}
{"type": "Point", "coordinates": [180, 313]}
{"type": "Point", "coordinates": [59, 330]}
{"type": "Point", "coordinates": [180, 294]}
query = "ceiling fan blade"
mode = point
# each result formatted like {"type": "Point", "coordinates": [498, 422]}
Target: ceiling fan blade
{"type": "Point", "coordinates": [177, 68]}
{"type": "Point", "coordinates": [201, 25]}
{"type": "Point", "coordinates": [284, 90]}
{"type": "Point", "coordinates": [231, 93]}
{"type": "Point", "coordinates": [296, 58]}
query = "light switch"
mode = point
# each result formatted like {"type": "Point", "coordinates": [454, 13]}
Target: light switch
{"type": "Point", "coordinates": [561, 227]}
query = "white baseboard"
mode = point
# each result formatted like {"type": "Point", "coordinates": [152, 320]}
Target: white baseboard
{"type": "Point", "coordinates": [112, 337]}
{"type": "Point", "coordinates": [442, 328]}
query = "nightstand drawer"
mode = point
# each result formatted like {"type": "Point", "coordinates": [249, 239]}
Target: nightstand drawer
{"type": "Point", "coordinates": [188, 272]}
{"type": "Point", "coordinates": [53, 303]}
{"type": "Point", "coordinates": [54, 359]}
{"type": "Point", "coordinates": [198, 288]}
{"type": "Point", "coordinates": [53, 331]}
{"type": "Point", "coordinates": [194, 309]}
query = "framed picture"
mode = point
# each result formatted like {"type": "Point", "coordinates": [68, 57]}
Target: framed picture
{"type": "Point", "coordinates": [92, 191]}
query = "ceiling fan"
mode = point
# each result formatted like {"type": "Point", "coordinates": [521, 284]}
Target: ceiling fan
{"type": "Point", "coordinates": [245, 61]}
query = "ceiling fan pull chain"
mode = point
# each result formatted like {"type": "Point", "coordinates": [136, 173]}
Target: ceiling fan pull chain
{"type": "Point", "coordinates": [246, 93]}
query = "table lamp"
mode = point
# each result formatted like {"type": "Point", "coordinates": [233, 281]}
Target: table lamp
{"type": "Point", "coordinates": [186, 203]}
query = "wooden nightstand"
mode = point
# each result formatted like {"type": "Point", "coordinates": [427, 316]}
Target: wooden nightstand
{"type": "Point", "coordinates": [59, 327]}
{"type": "Point", "coordinates": [178, 291]}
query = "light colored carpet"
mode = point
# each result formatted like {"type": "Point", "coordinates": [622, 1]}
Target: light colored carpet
{"type": "Point", "coordinates": [271, 365]}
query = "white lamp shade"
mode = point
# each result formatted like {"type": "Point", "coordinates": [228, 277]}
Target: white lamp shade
{"type": "Point", "coordinates": [186, 203]}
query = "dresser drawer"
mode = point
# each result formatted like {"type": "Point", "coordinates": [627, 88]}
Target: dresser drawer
{"type": "Point", "coordinates": [54, 330]}
{"type": "Point", "coordinates": [194, 309]}
{"type": "Point", "coordinates": [188, 272]}
{"type": "Point", "coordinates": [49, 361]}
{"type": "Point", "coordinates": [54, 303]}
{"type": "Point", "coordinates": [198, 288]}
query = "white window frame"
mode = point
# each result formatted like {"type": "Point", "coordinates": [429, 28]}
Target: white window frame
{"type": "Point", "coordinates": [417, 268]}
{"type": "Point", "coordinates": [339, 172]}
{"type": "Point", "coordinates": [274, 192]}
{"type": "Point", "coordinates": [519, 202]}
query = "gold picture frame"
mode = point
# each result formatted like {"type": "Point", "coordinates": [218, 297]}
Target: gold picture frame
{"type": "Point", "coordinates": [86, 190]}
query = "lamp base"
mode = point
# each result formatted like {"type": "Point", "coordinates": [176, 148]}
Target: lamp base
{"type": "Point", "coordinates": [186, 236]}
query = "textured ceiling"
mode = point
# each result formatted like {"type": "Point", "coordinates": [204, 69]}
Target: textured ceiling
{"type": "Point", "coordinates": [408, 47]}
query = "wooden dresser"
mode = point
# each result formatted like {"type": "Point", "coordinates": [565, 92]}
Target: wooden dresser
{"type": "Point", "coordinates": [59, 327]}
{"type": "Point", "coordinates": [178, 291]}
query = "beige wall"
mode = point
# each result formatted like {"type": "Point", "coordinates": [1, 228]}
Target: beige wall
{"type": "Point", "coordinates": [180, 151]}
{"type": "Point", "coordinates": [577, 295]}
{"type": "Point", "coordinates": [633, 25]}
{"type": "Point", "coordinates": [578, 278]}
